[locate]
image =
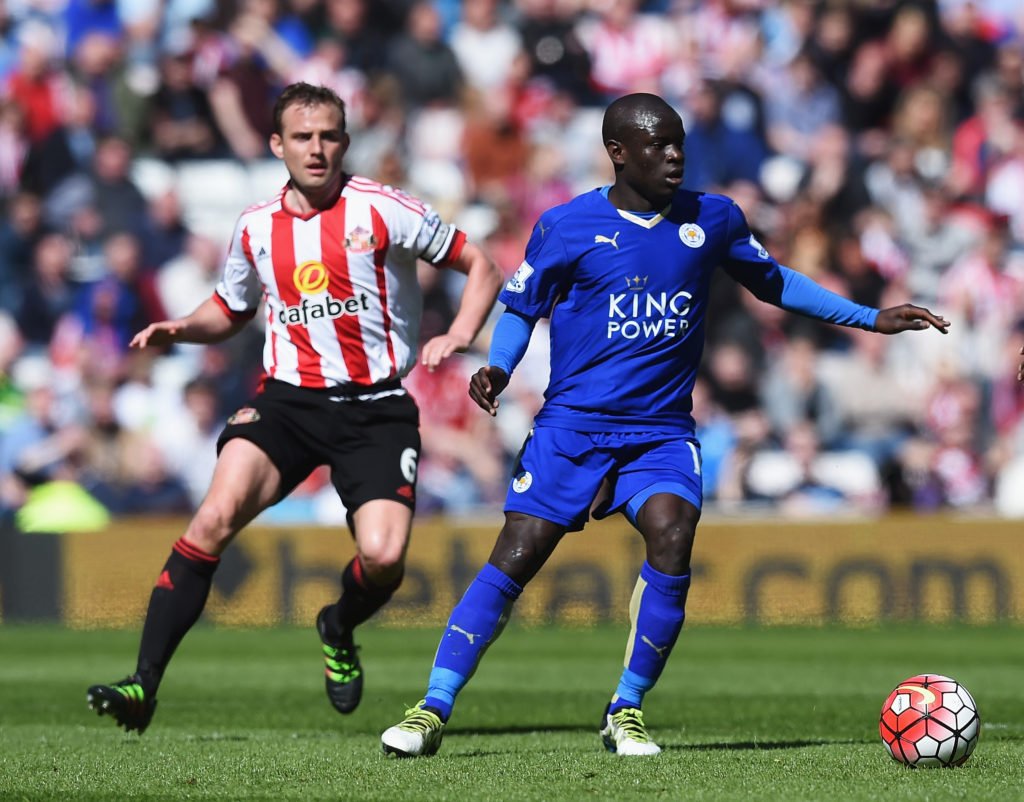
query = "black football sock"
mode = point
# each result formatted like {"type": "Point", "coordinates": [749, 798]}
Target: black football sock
{"type": "Point", "coordinates": [174, 606]}
{"type": "Point", "coordinates": [360, 599]}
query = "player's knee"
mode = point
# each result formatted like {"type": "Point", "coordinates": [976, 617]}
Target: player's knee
{"type": "Point", "coordinates": [383, 559]}
{"type": "Point", "coordinates": [523, 545]}
{"type": "Point", "coordinates": [211, 528]}
{"type": "Point", "coordinates": [669, 548]}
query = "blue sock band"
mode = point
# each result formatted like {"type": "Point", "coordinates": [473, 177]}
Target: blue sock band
{"type": "Point", "coordinates": [657, 611]}
{"type": "Point", "coordinates": [475, 623]}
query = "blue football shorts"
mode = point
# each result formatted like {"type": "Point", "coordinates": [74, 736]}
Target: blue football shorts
{"type": "Point", "coordinates": [563, 475]}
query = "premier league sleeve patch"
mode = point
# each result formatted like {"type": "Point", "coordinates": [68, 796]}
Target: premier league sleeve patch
{"type": "Point", "coordinates": [757, 246]}
{"type": "Point", "coordinates": [518, 281]}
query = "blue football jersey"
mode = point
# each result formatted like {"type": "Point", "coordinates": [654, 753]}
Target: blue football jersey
{"type": "Point", "coordinates": [627, 297]}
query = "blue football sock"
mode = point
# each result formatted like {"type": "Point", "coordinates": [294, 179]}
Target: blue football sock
{"type": "Point", "coordinates": [657, 611]}
{"type": "Point", "coordinates": [475, 623]}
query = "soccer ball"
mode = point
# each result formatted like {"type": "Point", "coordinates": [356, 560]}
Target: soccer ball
{"type": "Point", "coordinates": [930, 720]}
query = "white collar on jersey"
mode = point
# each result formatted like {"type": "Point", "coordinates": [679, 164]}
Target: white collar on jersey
{"type": "Point", "coordinates": [646, 222]}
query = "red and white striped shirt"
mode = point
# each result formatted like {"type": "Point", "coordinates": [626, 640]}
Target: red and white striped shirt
{"type": "Point", "coordinates": [342, 301]}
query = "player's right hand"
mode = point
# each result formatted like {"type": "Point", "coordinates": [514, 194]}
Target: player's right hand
{"type": "Point", "coordinates": [485, 387]}
{"type": "Point", "coordinates": [157, 334]}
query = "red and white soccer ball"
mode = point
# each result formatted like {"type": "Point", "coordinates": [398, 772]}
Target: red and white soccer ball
{"type": "Point", "coordinates": [930, 720]}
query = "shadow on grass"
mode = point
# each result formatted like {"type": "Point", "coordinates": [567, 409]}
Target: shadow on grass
{"type": "Point", "coordinates": [737, 746]}
{"type": "Point", "coordinates": [758, 746]}
{"type": "Point", "coordinates": [522, 729]}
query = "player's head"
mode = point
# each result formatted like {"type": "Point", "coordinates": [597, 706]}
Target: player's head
{"type": "Point", "coordinates": [303, 94]}
{"type": "Point", "coordinates": [309, 136]}
{"type": "Point", "coordinates": [644, 138]}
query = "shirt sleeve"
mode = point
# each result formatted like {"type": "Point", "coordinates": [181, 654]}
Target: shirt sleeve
{"type": "Point", "coordinates": [749, 263]}
{"type": "Point", "coordinates": [416, 228]}
{"type": "Point", "coordinates": [239, 290]}
{"type": "Point", "coordinates": [543, 275]}
{"type": "Point", "coordinates": [510, 340]}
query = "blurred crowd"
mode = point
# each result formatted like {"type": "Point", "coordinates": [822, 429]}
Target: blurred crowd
{"type": "Point", "coordinates": [876, 146]}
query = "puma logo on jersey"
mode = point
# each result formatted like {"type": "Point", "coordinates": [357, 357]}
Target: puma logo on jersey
{"type": "Point", "coordinates": [470, 636]}
{"type": "Point", "coordinates": [649, 642]}
{"type": "Point", "coordinates": [602, 238]}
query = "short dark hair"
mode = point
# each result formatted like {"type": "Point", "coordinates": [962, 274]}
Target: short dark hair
{"type": "Point", "coordinates": [629, 112]}
{"type": "Point", "coordinates": [303, 94]}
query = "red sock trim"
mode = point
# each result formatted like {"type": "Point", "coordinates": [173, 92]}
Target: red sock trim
{"type": "Point", "coordinates": [357, 571]}
{"type": "Point", "coordinates": [192, 552]}
{"type": "Point", "coordinates": [368, 584]}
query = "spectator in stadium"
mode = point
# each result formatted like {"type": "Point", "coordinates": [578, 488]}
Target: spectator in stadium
{"type": "Point", "coordinates": [164, 233]}
{"type": "Point", "coordinates": [44, 442]}
{"type": "Point", "coordinates": [38, 81]}
{"type": "Point", "coordinates": [179, 121]}
{"type": "Point", "coordinates": [792, 392]}
{"type": "Point", "coordinates": [184, 280]}
{"type": "Point", "coordinates": [47, 294]}
{"type": "Point", "coordinates": [628, 49]}
{"type": "Point", "coordinates": [485, 46]}
{"type": "Point", "coordinates": [880, 405]}
{"type": "Point", "coordinates": [617, 269]}
{"type": "Point", "coordinates": [718, 152]}
{"type": "Point", "coordinates": [189, 446]}
{"type": "Point", "coordinates": [20, 229]}
{"type": "Point", "coordinates": [803, 479]}
{"type": "Point", "coordinates": [937, 238]}
{"type": "Point", "coordinates": [240, 95]}
{"type": "Point", "coordinates": [548, 31]}
{"type": "Point", "coordinates": [462, 468]}
{"type": "Point", "coordinates": [424, 64]}
{"type": "Point", "coordinates": [67, 149]}
{"type": "Point", "coordinates": [123, 469]}
{"type": "Point", "coordinates": [349, 23]}
{"type": "Point", "coordinates": [955, 475]}
{"type": "Point", "coordinates": [867, 97]}
{"type": "Point", "coordinates": [111, 188]}
{"type": "Point", "coordinates": [107, 312]}
{"type": "Point", "coordinates": [984, 288]}
{"type": "Point", "coordinates": [909, 46]}
{"type": "Point", "coordinates": [984, 138]}
{"type": "Point", "coordinates": [341, 332]}
{"type": "Point", "coordinates": [495, 148]}
{"type": "Point", "coordinates": [800, 105]}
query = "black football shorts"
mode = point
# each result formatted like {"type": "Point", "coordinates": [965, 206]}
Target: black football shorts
{"type": "Point", "coordinates": [372, 446]}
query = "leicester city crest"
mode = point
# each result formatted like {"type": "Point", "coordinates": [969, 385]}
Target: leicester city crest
{"type": "Point", "coordinates": [522, 482]}
{"type": "Point", "coordinates": [692, 234]}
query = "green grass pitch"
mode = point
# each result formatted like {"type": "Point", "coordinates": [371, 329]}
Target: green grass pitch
{"type": "Point", "coordinates": [765, 714]}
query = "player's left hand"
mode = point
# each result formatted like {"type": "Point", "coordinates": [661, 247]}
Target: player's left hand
{"type": "Point", "coordinates": [485, 387]}
{"type": "Point", "coordinates": [1020, 370]}
{"type": "Point", "coordinates": [439, 348]}
{"type": "Point", "coordinates": [908, 317]}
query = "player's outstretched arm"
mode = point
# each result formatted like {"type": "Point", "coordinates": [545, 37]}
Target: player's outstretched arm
{"type": "Point", "coordinates": [207, 324]}
{"type": "Point", "coordinates": [485, 387]}
{"type": "Point", "coordinates": [483, 283]}
{"type": "Point", "coordinates": [908, 317]}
